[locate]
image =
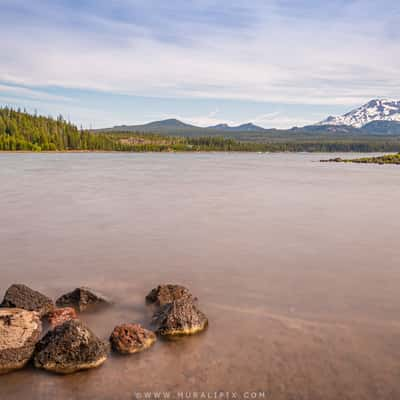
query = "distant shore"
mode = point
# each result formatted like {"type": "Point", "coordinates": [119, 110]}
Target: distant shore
{"type": "Point", "coordinates": [57, 151]}
{"type": "Point", "coordinates": [337, 159]}
{"type": "Point", "coordinates": [24, 132]}
{"type": "Point", "coordinates": [393, 159]}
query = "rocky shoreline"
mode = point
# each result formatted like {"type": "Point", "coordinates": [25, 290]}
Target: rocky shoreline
{"type": "Point", "coordinates": [70, 346]}
{"type": "Point", "coordinates": [381, 160]}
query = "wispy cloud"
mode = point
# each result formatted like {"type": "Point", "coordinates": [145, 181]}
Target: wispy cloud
{"type": "Point", "coordinates": [282, 120]}
{"type": "Point", "coordinates": [12, 91]}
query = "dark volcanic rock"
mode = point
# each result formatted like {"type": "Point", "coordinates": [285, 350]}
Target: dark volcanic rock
{"type": "Point", "coordinates": [164, 294]}
{"type": "Point", "coordinates": [21, 296]}
{"type": "Point", "coordinates": [181, 317]}
{"type": "Point", "coordinates": [82, 298]}
{"type": "Point", "coordinates": [131, 338]}
{"type": "Point", "coordinates": [69, 348]}
{"type": "Point", "coordinates": [337, 159]}
{"type": "Point", "coordinates": [60, 315]}
{"type": "Point", "coordinates": [19, 332]}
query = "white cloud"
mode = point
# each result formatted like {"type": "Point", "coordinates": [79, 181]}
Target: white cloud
{"type": "Point", "coordinates": [17, 92]}
{"type": "Point", "coordinates": [282, 120]}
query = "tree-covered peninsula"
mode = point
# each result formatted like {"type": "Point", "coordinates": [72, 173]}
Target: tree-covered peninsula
{"type": "Point", "coordinates": [385, 159]}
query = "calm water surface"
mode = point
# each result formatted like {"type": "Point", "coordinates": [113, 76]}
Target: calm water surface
{"type": "Point", "coordinates": [296, 263]}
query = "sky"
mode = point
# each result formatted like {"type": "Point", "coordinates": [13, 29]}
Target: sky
{"type": "Point", "coordinates": [276, 63]}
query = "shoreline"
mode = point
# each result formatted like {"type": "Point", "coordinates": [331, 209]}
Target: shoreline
{"type": "Point", "coordinates": [191, 152]}
{"type": "Point", "coordinates": [384, 159]}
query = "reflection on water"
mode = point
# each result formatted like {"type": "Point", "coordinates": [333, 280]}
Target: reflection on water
{"type": "Point", "coordinates": [294, 262]}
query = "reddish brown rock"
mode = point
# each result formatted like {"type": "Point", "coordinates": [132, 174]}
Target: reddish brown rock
{"type": "Point", "coordinates": [164, 294]}
{"type": "Point", "coordinates": [60, 315]}
{"type": "Point", "coordinates": [131, 338]}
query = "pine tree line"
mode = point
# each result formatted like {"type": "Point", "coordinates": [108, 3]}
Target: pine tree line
{"type": "Point", "coordinates": [21, 131]}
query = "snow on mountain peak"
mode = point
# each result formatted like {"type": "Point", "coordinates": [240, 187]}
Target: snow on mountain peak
{"type": "Point", "coordinates": [374, 110]}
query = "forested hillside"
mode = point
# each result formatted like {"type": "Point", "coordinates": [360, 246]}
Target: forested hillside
{"type": "Point", "coordinates": [21, 131]}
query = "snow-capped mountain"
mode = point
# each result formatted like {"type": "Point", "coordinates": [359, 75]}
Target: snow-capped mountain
{"type": "Point", "coordinates": [375, 110]}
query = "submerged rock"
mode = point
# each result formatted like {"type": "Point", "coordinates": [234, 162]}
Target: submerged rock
{"type": "Point", "coordinates": [164, 294]}
{"type": "Point", "coordinates": [131, 338]}
{"type": "Point", "coordinates": [181, 317]}
{"type": "Point", "coordinates": [60, 315]}
{"type": "Point", "coordinates": [82, 298]}
{"type": "Point", "coordinates": [19, 332]}
{"type": "Point", "coordinates": [69, 348]}
{"type": "Point", "coordinates": [21, 296]}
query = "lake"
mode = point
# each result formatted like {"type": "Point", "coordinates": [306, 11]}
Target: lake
{"type": "Point", "coordinates": [295, 262]}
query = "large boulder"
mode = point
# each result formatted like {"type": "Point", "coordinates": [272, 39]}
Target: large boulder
{"type": "Point", "coordinates": [19, 332]}
{"type": "Point", "coordinates": [60, 315]}
{"type": "Point", "coordinates": [69, 348]}
{"type": "Point", "coordinates": [181, 317]}
{"type": "Point", "coordinates": [164, 294]}
{"type": "Point", "coordinates": [21, 296]}
{"type": "Point", "coordinates": [131, 338]}
{"type": "Point", "coordinates": [82, 298]}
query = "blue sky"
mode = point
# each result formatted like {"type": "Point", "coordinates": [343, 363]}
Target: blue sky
{"type": "Point", "coordinates": [278, 63]}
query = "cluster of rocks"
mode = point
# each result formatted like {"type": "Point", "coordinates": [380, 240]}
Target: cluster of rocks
{"type": "Point", "coordinates": [69, 346]}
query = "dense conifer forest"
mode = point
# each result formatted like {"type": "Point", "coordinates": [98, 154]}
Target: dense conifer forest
{"type": "Point", "coordinates": [21, 131]}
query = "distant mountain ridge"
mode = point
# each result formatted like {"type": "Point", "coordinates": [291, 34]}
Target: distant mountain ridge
{"type": "Point", "coordinates": [249, 127]}
{"type": "Point", "coordinates": [378, 117]}
{"type": "Point", "coordinates": [374, 111]}
{"type": "Point", "coordinates": [175, 124]}
{"type": "Point", "coordinates": [171, 123]}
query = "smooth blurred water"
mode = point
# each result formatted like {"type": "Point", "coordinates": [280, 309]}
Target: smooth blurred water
{"type": "Point", "coordinates": [295, 262]}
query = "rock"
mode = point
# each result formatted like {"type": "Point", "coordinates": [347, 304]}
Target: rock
{"type": "Point", "coordinates": [69, 348]}
{"type": "Point", "coordinates": [19, 332]}
{"type": "Point", "coordinates": [60, 315]}
{"type": "Point", "coordinates": [131, 338]}
{"type": "Point", "coordinates": [337, 160]}
{"type": "Point", "coordinates": [181, 317]}
{"type": "Point", "coordinates": [82, 298]}
{"type": "Point", "coordinates": [21, 296]}
{"type": "Point", "coordinates": [164, 294]}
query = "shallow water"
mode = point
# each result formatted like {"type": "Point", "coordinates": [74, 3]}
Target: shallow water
{"type": "Point", "coordinates": [295, 262]}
